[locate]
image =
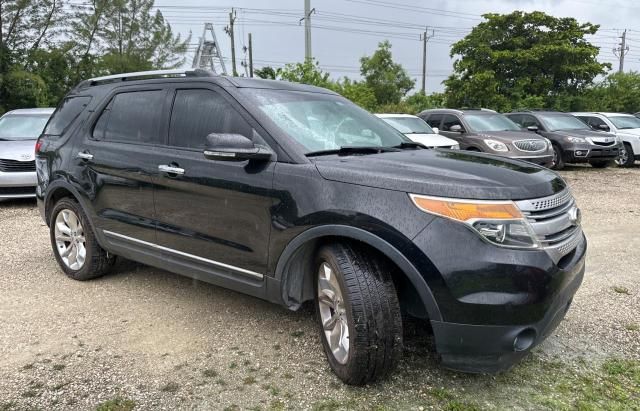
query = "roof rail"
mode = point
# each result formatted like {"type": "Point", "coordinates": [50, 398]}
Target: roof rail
{"type": "Point", "coordinates": [477, 109]}
{"type": "Point", "coordinates": [141, 75]}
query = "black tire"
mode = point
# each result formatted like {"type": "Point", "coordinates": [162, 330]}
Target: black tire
{"type": "Point", "coordinates": [372, 311]}
{"type": "Point", "coordinates": [600, 164]}
{"type": "Point", "coordinates": [630, 159]}
{"type": "Point", "coordinates": [97, 262]}
{"type": "Point", "coordinates": [558, 160]}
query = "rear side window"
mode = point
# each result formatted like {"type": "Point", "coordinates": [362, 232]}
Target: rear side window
{"type": "Point", "coordinates": [198, 113]}
{"type": "Point", "coordinates": [66, 114]}
{"type": "Point", "coordinates": [132, 117]}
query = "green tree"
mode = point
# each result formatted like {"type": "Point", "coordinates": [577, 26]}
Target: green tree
{"type": "Point", "coordinates": [22, 89]}
{"type": "Point", "coordinates": [388, 80]}
{"type": "Point", "coordinates": [358, 92]}
{"type": "Point", "coordinates": [618, 92]}
{"type": "Point", "coordinates": [512, 58]}
{"type": "Point", "coordinates": [308, 72]}
{"type": "Point", "coordinates": [266, 72]}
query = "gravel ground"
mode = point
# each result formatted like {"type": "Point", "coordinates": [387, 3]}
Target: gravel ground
{"type": "Point", "coordinates": [147, 338]}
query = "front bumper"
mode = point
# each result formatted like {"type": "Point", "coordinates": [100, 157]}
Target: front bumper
{"type": "Point", "coordinates": [17, 185]}
{"type": "Point", "coordinates": [590, 152]}
{"type": "Point", "coordinates": [542, 160]}
{"type": "Point", "coordinates": [496, 303]}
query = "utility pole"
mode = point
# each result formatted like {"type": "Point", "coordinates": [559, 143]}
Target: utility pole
{"type": "Point", "coordinates": [250, 57]}
{"type": "Point", "coordinates": [622, 51]}
{"type": "Point", "coordinates": [229, 30]}
{"type": "Point", "coordinates": [425, 38]}
{"type": "Point", "coordinates": [307, 29]}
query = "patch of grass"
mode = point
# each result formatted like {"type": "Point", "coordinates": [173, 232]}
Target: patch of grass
{"type": "Point", "coordinates": [59, 367]}
{"type": "Point", "coordinates": [220, 381]}
{"type": "Point", "coordinates": [460, 406]}
{"type": "Point", "coordinates": [632, 327]}
{"type": "Point", "coordinates": [249, 380]}
{"type": "Point", "coordinates": [441, 394]}
{"type": "Point", "coordinates": [297, 333]}
{"type": "Point", "coordinates": [209, 373]}
{"type": "Point", "coordinates": [6, 406]}
{"type": "Point", "coordinates": [30, 393]}
{"type": "Point", "coordinates": [277, 406]}
{"type": "Point", "coordinates": [28, 366]}
{"type": "Point", "coordinates": [170, 387]}
{"type": "Point", "coordinates": [287, 375]}
{"type": "Point", "coordinates": [233, 365]}
{"type": "Point", "coordinates": [276, 347]}
{"type": "Point", "coordinates": [621, 290]}
{"type": "Point", "coordinates": [333, 405]}
{"type": "Point", "coordinates": [116, 404]}
{"type": "Point", "coordinates": [232, 407]}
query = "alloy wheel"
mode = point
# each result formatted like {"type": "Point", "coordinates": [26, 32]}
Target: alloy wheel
{"type": "Point", "coordinates": [623, 157]}
{"type": "Point", "coordinates": [333, 313]}
{"type": "Point", "coordinates": [70, 239]}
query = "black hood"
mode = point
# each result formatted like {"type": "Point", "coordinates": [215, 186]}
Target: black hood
{"type": "Point", "coordinates": [444, 173]}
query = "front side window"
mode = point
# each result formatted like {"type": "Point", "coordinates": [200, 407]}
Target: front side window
{"type": "Point", "coordinates": [625, 122]}
{"type": "Point", "coordinates": [320, 121]}
{"type": "Point", "coordinates": [556, 122]}
{"type": "Point", "coordinates": [22, 126]}
{"type": "Point", "coordinates": [490, 122]}
{"type": "Point", "coordinates": [198, 113]}
{"type": "Point", "coordinates": [65, 114]}
{"type": "Point", "coordinates": [450, 121]}
{"type": "Point", "coordinates": [409, 125]}
{"type": "Point", "coordinates": [132, 117]}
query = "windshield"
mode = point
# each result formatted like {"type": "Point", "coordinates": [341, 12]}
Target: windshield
{"type": "Point", "coordinates": [555, 122]}
{"type": "Point", "coordinates": [490, 122]}
{"type": "Point", "coordinates": [409, 125]}
{"type": "Point", "coordinates": [625, 122]}
{"type": "Point", "coordinates": [323, 121]}
{"type": "Point", "coordinates": [22, 127]}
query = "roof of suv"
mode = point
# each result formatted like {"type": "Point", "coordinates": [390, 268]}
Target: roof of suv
{"type": "Point", "coordinates": [32, 111]}
{"type": "Point", "coordinates": [590, 113]}
{"type": "Point", "coordinates": [534, 112]}
{"type": "Point", "coordinates": [459, 111]}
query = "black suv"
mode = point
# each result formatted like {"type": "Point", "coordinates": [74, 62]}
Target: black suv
{"type": "Point", "coordinates": [573, 140]}
{"type": "Point", "coordinates": [291, 193]}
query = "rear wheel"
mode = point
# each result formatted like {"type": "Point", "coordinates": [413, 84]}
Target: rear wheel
{"type": "Point", "coordinates": [74, 243]}
{"type": "Point", "coordinates": [358, 313]}
{"type": "Point", "coordinates": [558, 161]}
{"type": "Point", "coordinates": [627, 156]}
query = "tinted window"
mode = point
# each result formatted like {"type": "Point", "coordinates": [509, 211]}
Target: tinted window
{"type": "Point", "coordinates": [65, 114]}
{"type": "Point", "coordinates": [516, 118]}
{"type": "Point", "coordinates": [625, 122]}
{"type": "Point", "coordinates": [131, 117]}
{"type": "Point", "coordinates": [594, 122]}
{"type": "Point", "coordinates": [434, 120]}
{"type": "Point", "coordinates": [450, 121]}
{"type": "Point", "coordinates": [490, 122]}
{"type": "Point", "coordinates": [529, 121]}
{"type": "Point", "coordinates": [198, 113]}
{"type": "Point", "coordinates": [555, 122]}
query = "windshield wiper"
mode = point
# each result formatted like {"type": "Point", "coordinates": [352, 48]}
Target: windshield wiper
{"type": "Point", "coordinates": [351, 150]}
{"type": "Point", "coordinates": [410, 144]}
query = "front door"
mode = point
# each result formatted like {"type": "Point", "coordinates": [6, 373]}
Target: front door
{"type": "Point", "coordinates": [212, 215]}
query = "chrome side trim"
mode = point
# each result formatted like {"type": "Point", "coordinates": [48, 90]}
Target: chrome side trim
{"type": "Point", "coordinates": [180, 253]}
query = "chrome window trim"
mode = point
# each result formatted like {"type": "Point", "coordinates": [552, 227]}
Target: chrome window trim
{"type": "Point", "coordinates": [183, 254]}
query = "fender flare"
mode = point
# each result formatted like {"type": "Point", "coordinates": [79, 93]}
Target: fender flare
{"type": "Point", "coordinates": [391, 252]}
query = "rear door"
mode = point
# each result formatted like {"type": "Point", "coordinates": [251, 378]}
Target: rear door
{"type": "Point", "coordinates": [119, 165]}
{"type": "Point", "coordinates": [213, 216]}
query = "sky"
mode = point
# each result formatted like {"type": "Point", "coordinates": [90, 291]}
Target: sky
{"type": "Point", "coordinates": [345, 30]}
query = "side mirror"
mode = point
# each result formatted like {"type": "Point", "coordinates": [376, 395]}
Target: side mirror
{"type": "Point", "coordinates": [533, 128]}
{"type": "Point", "coordinates": [603, 127]}
{"type": "Point", "coordinates": [456, 128]}
{"type": "Point", "coordinates": [233, 147]}
{"type": "Point", "coordinates": [435, 130]}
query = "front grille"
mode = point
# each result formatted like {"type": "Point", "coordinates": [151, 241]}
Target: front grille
{"type": "Point", "coordinates": [530, 145]}
{"type": "Point", "coordinates": [15, 166]}
{"type": "Point", "coordinates": [602, 141]}
{"type": "Point", "coordinates": [17, 191]}
{"type": "Point", "coordinates": [555, 221]}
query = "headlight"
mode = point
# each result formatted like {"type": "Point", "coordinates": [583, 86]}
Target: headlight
{"type": "Point", "coordinates": [576, 140]}
{"type": "Point", "coordinates": [549, 145]}
{"type": "Point", "coordinates": [496, 145]}
{"type": "Point", "coordinates": [455, 147]}
{"type": "Point", "coordinates": [498, 222]}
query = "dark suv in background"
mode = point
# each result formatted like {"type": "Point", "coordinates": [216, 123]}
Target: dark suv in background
{"type": "Point", "coordinates": [292, 193]}
{"type": "Point", "coordinates": [491, 132]}
{"type": "Point", "coordinates": [573, 140]}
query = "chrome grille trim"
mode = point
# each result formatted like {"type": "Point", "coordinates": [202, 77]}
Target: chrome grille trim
{"type": "Point", "coordinates": [545, 203]}
{"type": "Point", "coordinates": [531, 146]}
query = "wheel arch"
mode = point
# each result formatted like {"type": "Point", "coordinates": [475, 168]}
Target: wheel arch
{"type": "Point", "coordinates": [294, 273]}
{"type": "Point", "coordinates": [55, 192]}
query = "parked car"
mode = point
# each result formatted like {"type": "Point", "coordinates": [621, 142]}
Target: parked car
{"type": "Point", "coordinates": [19, 130]}
{"type": "Point", "coordinates": [573, 140]}
{"type": "Point", "coordinates": [226, 180]}
{"type": "Point", "coordinates": [625, 126]}
{"type": "Point", "coordinates": [491, 132]}
{"type": "Point", "coordinates": [417, 130]}
{"type": "Point", "coordinates": [637, 114]}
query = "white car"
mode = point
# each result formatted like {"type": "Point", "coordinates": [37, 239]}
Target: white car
{"type": "Point", "coordinates": [625, 126]}
{"type": "Point", "coordinates": [417, 130]}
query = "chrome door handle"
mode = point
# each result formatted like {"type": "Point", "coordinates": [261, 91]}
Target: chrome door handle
{"type": "Point", "coordinates": [85, 156]}
{"type": "Point", "coordinates": [171, 170]}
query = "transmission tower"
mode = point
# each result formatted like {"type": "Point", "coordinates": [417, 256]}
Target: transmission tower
{"type": "Point", "coordinates": [208, 54]}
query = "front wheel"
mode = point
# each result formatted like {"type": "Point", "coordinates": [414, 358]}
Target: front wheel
{"type": "Point", "coordinates": [358, 313]}
{"type": "Point", "coordinates": [627, 156]}
{"type": "Point", "coordinates": [558, 161]}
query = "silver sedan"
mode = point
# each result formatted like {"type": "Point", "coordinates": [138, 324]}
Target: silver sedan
{"type": "Point", "coordinates": [19, 130]}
